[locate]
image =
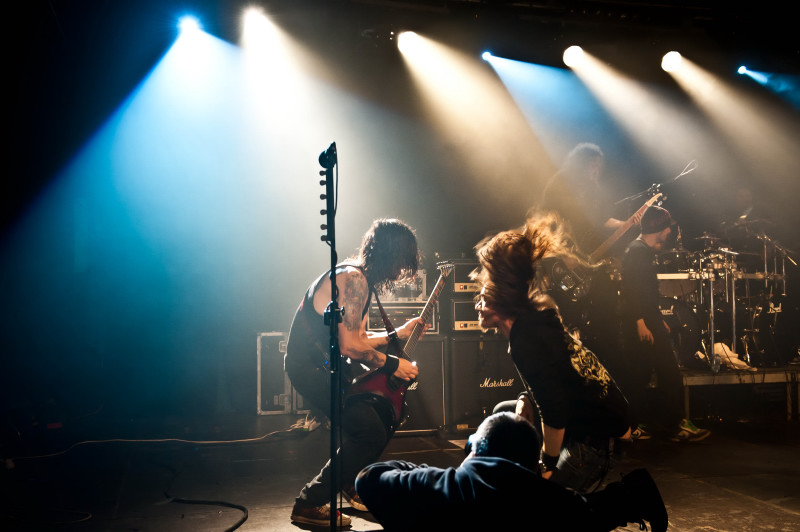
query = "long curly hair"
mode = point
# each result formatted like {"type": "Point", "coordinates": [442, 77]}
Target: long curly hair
{"type": "Point", "coordinates": [507, 272]}
{"type": "Point", "coordinates": [388, 254]}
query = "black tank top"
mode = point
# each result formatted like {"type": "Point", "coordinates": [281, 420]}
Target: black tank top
{"type": "Point", "coordinates": [309, 337]}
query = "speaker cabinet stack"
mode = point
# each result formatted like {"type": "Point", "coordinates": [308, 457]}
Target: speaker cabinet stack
{"type": "Point", "coordinates": [425, 399]}
{"type": "Point", "coordinates": [457, 312]}
{"type": "Point", "coordinates": [480, 374]}
{"type": "Point", "coordinates": [463, 373]}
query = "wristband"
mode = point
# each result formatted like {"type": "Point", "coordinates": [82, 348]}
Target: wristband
{"type": "Point", "coordinates": [391, 365]}
{"type": "Point", "coordinates": [549, 462]}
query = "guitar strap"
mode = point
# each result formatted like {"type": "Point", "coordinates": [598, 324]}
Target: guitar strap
{"type": "Point", "coordinates": [393, 339]}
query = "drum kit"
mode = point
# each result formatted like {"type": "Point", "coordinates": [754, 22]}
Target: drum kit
{"type": "Point", "coordinates": [718, 295]}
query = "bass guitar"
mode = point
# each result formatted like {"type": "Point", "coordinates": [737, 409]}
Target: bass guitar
{"type": "Point", "coordinates": [598, 253]}
{"type": "Point", "coordinates": [377, 383]}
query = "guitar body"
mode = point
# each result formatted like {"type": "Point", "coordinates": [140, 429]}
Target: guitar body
{"type": "Point", "coordinates": [376, 383]}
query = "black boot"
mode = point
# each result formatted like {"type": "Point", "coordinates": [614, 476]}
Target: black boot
{"type": "Point", "coordinates": [635, 499]}
{"type": "Point", "coordinates": [647, 503]}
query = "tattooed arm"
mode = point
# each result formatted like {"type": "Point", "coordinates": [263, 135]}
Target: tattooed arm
{"type": "Point", "coordinates": [354, 342]}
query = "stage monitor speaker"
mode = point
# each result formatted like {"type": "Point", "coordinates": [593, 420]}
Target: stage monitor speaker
{"type": "Point", "coordinates": [480, 374]}
{"type": "Point", "coordinates": [425, 397]}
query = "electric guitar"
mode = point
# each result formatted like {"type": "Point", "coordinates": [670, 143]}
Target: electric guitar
{"type": "Point", "coordinates": [621, 230]}
{"type": "Point", "coordinates": [376, 382]}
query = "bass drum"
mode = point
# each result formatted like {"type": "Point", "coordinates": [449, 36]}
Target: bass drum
{"type": "Point", "coordinates": [684, 329]}
{"type": "Point", "coordinates": [676, 273]}
{"type": "Point", "coordinates": [766, 339]}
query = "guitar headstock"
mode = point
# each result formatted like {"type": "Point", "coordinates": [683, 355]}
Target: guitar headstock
{"type": "Point", "coordinates": [445, 268]}
{"type": "Point", "coordinates": [656, 196]}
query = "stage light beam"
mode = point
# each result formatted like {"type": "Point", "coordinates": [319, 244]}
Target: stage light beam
{"type": "Point", "coordinates": [259, 32]}
{"type": "Point", "coordinates": [189, 24]}
{"type": "Point", "coordinates": [671, 61]}
{"type": "Point", "coordinates": [573, 56]}
{"type": "Point", "coordinates": [408, 42]}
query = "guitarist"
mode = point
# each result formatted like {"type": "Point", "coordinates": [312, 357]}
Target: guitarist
{"type": "Point", "coordinates": [388, 254]}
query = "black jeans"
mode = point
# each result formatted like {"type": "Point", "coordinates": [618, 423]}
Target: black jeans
{"type": "Point", "coordinates": [365, 432]}
{"type": "Point", "coordinates": [659, 403]}
{"type": "Point", "coordinates": [581, 464]}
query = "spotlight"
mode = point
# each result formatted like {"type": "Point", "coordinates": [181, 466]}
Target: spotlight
{"type": "Point", "coordinates": [742, 70]}
{"type": "Point", "coordinates": [407, 41]}
{"type": "Point", "coordinates": [671, 61]}
{"type": "Point", "coordinates": [486, 56]}
{"type": "Point", "coordinates": [189, 23]}
{"type": "Point", "coordinates": [573, 56]}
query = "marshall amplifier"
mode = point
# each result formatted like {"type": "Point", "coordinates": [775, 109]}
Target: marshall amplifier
{"type": "Point", "coordinates": [457, 312]}
{"type": "Point", "coordinates": [465, 317]}
{"type": "Point", "coordinates": [480, 374]}
{"type": "Point", "coordinates": [399, 313]}
{"type": "Point", "coordinates": [425, 397]}
{"type": "Point", "coordinates": [461, 286]}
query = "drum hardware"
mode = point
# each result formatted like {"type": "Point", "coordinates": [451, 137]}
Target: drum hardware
{"type": "Point", "coordinates": [709, 241]}
{"type": "Point", "coordinates": [712, 284]}
{"type": "Point", "coordinates": [684, 329]}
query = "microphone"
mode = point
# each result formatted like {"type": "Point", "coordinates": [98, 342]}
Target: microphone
{"type": "Point", "coordinates": [327, 159]}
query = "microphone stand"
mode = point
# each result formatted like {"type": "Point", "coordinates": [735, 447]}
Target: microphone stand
{"type": "Point", "coordinates": [333, 316]}
{"type": "Point", "coordinates": [690, 167]}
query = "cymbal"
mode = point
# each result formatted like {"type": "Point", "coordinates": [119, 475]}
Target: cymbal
{"type": "Point", "coordinates": [740, 222]}
{"type": "Point", "coordinates": [707, 236]}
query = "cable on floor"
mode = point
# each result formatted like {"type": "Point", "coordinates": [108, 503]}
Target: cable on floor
{"type": "Point", "coordinates": [236, 525]}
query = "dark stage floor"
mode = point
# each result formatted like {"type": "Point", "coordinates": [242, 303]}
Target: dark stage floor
{"type": "Point", "coordinates": [743, 477]}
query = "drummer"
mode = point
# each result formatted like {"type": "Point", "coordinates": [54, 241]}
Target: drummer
{"type": "Point", "coordinates": [656, 403]}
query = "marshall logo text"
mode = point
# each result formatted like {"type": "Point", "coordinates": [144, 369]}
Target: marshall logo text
{"type": "Point", "coordinates": [497, 383]}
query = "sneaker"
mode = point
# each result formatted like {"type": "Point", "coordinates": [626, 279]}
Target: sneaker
{"type": "Point", "coordinates": [640, 433]}
{"type": "Point", "coordinates": [647, 502]}
{"type": "Point", "coordinates": [351, 496]}
{"type": "Point", "coordinates": [687, 431]}
{"type": "Point", "coordinates": [318, 515]}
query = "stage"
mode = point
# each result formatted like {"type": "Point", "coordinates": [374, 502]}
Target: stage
{"type": "Point", "coordinates": [108, 473]}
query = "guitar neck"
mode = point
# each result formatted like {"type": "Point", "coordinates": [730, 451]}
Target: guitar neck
{"type": "Point", "coordinates": [425, 316]}
{"type": "Point", "coordinates": [621, 230]}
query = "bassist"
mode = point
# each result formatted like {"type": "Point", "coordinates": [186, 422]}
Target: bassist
{"type": "Point", "coordinates": [388, 254]}
{"type": "Point", "coordinates": [576, 194]}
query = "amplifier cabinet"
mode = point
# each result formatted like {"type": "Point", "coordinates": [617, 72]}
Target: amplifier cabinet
{"type": "Point", "coordinates": [465, 317]}
{"type": "Point", "coordinates": [480, 374]}
{"type": "Point", "coordinates": [460, 285]}
{"type": "Point", "coordinates": [273, 389]}
{"type": "Point", "coordinates": [399, 313]}
{"type": "Point", "coordinates": [425, 402]}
